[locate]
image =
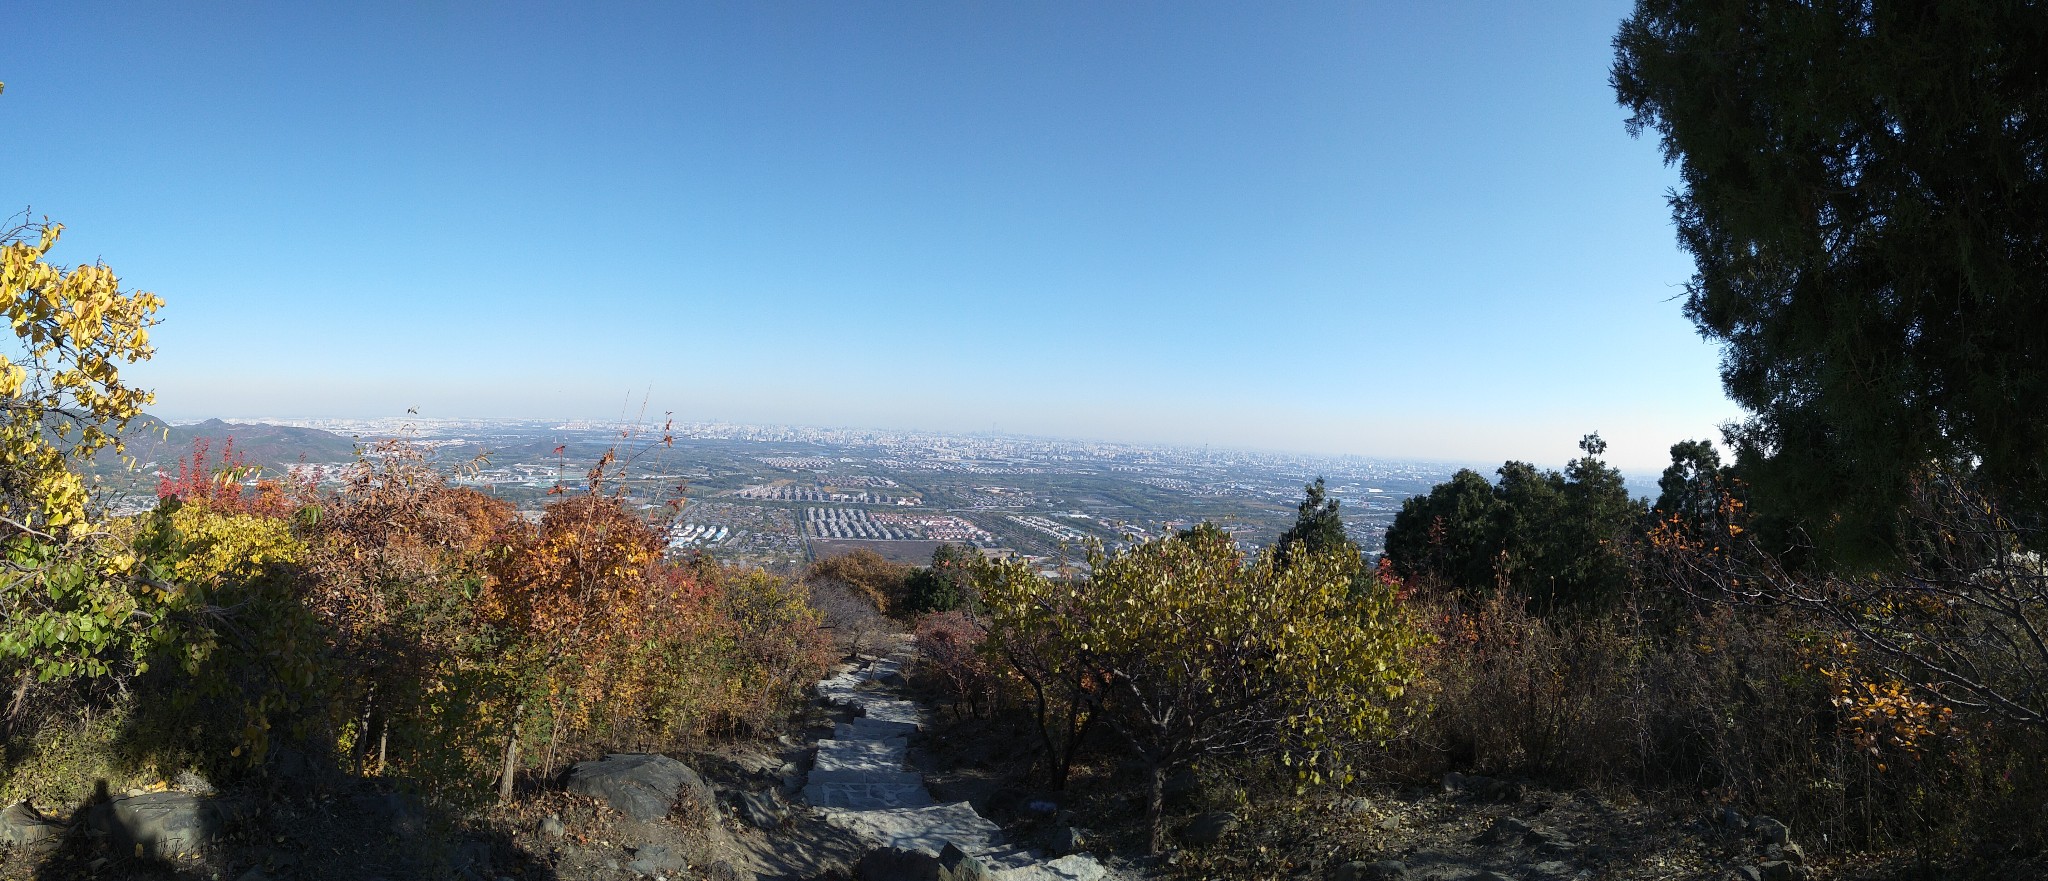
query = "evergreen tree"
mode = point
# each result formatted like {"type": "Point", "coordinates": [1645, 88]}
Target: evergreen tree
{"type": "Point", "coordinates": [1691, 487]}
{"type": "Point", "coordinates": [1452, 533]}
{"type": "Point", "coordinates": [1867, 207]}
{"type": "Point", "coordinates": [942, 587]}
{"type": "Point", "coordinates": [1553, 537]}
{"type": "Point", "coordinates": [1317, 526]}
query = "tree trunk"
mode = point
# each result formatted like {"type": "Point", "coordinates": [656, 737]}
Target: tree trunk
{"type": "Point", "coordinates": [383, 744]}
{"type": "Point", "coordinates": [511, 769]}
{"type": "Point", "coordinates": [554, 739]}
{"type": "Point", "coordinates": [362, 744]}
{"type": "Point", "coordinates": [1155, 807]}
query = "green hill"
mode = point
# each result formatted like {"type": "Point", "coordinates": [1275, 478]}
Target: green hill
{"type": "Point", "coordinates": [155, 444]}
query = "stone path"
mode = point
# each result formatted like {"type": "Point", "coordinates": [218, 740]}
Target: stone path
{"type": "Point", "coordinates": [858, 781]}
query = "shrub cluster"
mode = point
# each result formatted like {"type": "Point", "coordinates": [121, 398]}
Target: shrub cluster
{"type": "Point", "coordinates": [1185, 648]}
{"type": "Point", "coordinates": [1887, 705]}
{"type": "Point", "coordinates": [395, 624]}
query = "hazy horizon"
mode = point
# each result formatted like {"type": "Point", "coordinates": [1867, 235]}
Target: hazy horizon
{"type": "Point", "coordinates": [654, 420]}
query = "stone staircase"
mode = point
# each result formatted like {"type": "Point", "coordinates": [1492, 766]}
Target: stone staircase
{"type": "Point", "coordinates": [859, 783]}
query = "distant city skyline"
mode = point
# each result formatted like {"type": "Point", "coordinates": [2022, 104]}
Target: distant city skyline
{"type": "Point", "coordinates": [1405, 232]}
{"type": "Point", "coordinates": [430, 426]}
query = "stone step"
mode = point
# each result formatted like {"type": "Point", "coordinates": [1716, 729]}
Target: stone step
{"type": "Point", "coordinates": [872, 729]}
{"type": "Point", "coordinates": [861, 799]}
{"type": "Point", "coordinates": [861, 755]}
{"type": "Point", "coordinates": [925, 829]}
{"type": "Point", "coordinates": [887, 777]}
{"type": "Point", "coordinates": [889, 710]}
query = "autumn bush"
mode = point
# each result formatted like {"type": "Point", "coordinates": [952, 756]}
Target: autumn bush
{"type": "Point", "coordinates": [884, 583]}
{"type": "Point", "coordinates": [950, 657]}
{"type": "Point", "coordinates": [847, 613]}
{"type": "Point", "coordinates": [392, 624]}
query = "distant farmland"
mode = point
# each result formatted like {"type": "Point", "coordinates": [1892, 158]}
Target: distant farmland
{"type": "Point", "coordinates": [914, 552]}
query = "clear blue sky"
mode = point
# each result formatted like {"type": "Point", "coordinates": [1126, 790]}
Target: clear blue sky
{"type": "Point", "coordinates": [1405, 230]}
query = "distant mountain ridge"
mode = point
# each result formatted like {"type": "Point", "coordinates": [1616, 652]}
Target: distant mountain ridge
{"type": "Point", "coordinates": [273, 447]}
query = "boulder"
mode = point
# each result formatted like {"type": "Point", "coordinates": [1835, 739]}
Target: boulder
{"type": "Point", "coordinates": [1359, 805]}
{"type": "Point", "coordinates": [162, 824]}
{"type": "Point", "coordinates": [1770, 830]}
{"type": "Point", "coordinates": [896, 864]}
{"type": "Point", "coordinates": [23, 826]}
{"type": "Point", "coordinates": [640, 786]}
{"type": "Point", "coordinates": [1506, 831]}
{"type": "Point", "coordinates": [1731, 820]}
{"type": "Point", "coordinates": [959, 865]}
{"type": "Point", "coordinates": [1209, 828]}
{"type": "Point", "coordinates": [651, 859]}
{"type": "Point", "coordinates": [1790, 852]}
{"type": "Point", "coordinates": [1779, 870]}
{"type": "Point", "coordinates": [1063, 840]}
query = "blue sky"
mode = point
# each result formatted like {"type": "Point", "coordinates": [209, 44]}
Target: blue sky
{"type": "Point", "coordinates": [1404, 230]}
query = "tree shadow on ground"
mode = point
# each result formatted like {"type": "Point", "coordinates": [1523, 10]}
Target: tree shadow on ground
{"type": "Point", "coordinates": [355, 831]}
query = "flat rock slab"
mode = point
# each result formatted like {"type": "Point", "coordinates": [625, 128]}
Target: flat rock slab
{"type": "Point", "coordinates": [639, 785]}
{"type": "Point", "coordinates": [922, 829]}
{"type": "Point", "coordinates": [868, 796]}
{"type": "Point", "coordinates": [164, 824]}
{"type": "Point", "coordinates": [23, 826]}
{"type": "Point", "coordinates": [903, 711]}
{"type": "Point", "coordinates": [872, 729]}
{"type": "Point", "coordinates": [886, 754]}
{"type": "Point", "coordinates": [1078, 867]}
{"type": "Point", "coordinates": [896, 777]}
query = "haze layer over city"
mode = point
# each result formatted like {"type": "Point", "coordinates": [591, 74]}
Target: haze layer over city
{"type": "Point", "coordinates": [783, 495]}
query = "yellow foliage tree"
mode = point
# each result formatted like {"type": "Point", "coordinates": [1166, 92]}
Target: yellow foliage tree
{"type": "Point", "coordinates": [1187, 648]}
{"type": "Point", "coordinates": [61, 390]}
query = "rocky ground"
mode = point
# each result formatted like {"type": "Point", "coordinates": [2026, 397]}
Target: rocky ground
{"type": "Point", "coordinates": [721, 814]}
{"type": "Point", "coordinates": [1478, 829]}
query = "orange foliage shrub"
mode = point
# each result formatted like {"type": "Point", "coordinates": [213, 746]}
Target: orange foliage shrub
{"type": "Point", "coordinates": [622, 646]}
{"type": "Point", "coordinates": [868, 573]}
